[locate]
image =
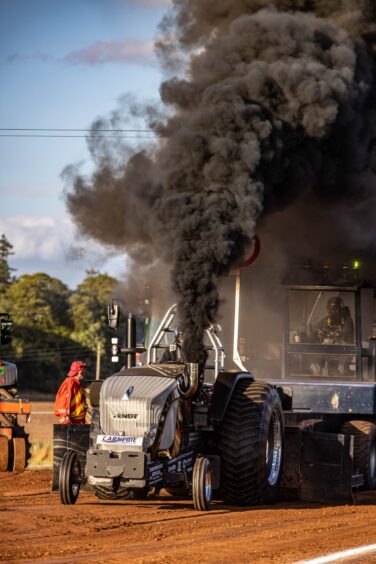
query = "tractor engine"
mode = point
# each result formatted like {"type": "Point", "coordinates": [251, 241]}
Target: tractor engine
{"type": "Point", "coordinates": [139, 410]}
{"type": "Point", "coordinates": [138, 422]}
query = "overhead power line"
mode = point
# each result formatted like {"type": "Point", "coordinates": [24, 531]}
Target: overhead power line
{"type": "Point", "coordinates": [81, 136]}
{"type": "Point", "coordinates": [73, 129]}
{"type": "Point", "coordinates": [72, 133]}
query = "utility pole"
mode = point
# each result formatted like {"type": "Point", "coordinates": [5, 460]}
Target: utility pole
{"type": "Point", "coordinates": [98, 368]}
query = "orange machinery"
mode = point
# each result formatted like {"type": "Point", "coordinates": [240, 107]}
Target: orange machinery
{"type": "Point", "coordinates": [14, 444]}
{"type": "Point", "coordinates": [13, 440]}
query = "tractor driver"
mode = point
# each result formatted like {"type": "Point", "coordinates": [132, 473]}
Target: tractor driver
{"type": "Point", "coordinates": [337, 327]}
{"type": "Point", "coordinates": [174, 352]}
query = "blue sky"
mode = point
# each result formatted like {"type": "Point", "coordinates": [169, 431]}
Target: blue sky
{"type": "Point", "coordinates": [62, 64]}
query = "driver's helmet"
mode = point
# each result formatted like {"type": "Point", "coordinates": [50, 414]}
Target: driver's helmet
{"type": "Point", "coordinates": [335, 305]}
{"type": "Point", "coordinates": [178, 337]}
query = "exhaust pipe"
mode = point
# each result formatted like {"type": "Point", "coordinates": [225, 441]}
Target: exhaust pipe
{"type": "Point", "coordinates": [131, 341]}
{"type": "Point", "coordinates": [188, 386]}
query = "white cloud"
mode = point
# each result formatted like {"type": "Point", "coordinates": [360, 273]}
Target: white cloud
{"type": "Point", "coordinates": [38, 237]}
{"type": "Point", "coordinates": [127, 51]}
{"type": "Point", "coordinates": [151, 3]}
{"type": "Point", "coordinates": [132, 50]}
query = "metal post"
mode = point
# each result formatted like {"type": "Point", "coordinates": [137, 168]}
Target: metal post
{"type": "Point", "coordinates": [98, 367]}
{"type": "Point", "coordinates": [131, 341]}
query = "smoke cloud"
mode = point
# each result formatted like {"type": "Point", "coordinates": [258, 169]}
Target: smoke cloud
{"type": "Point", "coordinates": [273, 110]}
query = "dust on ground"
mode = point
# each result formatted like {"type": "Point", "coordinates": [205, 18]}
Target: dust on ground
{"type": "Point", "coordinates": [36, 527]}
{"type": "Point", "coordinates": [40, 431]}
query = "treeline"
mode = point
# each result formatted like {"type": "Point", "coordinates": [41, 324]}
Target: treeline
{"type": "Point", "coordinates": [53, 325]}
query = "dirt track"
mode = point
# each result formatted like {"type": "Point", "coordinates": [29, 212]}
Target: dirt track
{"type": "Point", "coordinates": [34, 525]}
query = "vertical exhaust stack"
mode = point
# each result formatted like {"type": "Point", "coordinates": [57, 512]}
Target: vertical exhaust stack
{"type": "Point", "coordinates": [131, 341]}
{"type": "Point", "coordinates": [255, 251]}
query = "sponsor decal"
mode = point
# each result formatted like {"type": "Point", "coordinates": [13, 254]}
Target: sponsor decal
{"type": "Point", "coordinates": [125, 415]}
{"type": "Point", "coordinates": [128, 393]}
{"type": "Point", "coordinates": [182, 463]}
{"type": "Point", "coordinates": [119, 440]}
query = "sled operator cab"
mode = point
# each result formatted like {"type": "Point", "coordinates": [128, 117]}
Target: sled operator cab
{"type": "Point", "coordinates": [329, 332]}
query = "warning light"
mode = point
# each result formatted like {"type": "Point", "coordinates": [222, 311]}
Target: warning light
{"type": "Point", "coordinates": [356, 265]}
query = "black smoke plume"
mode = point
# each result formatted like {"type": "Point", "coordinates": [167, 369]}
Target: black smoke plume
{"type": "Point", "coordinates": [274, 103]}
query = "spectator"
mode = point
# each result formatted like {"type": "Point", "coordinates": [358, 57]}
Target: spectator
{"type": "Point", "coordinates": [70, 403]}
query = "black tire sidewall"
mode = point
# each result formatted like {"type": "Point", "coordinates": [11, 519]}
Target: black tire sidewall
{"type": "Point", "coordinates": [66, 479]}
{"type": "Point", "coordinates": [201, 468]}
{"type": "Point", "coordinates": [371, 479]}
{"type": "Point", "coordinates": [364, 436]}
{"type": "Point", "coordinates": [243, 436]}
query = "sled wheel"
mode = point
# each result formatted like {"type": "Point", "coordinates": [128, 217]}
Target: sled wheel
{"type": "Point", "coordinates": [69, 478]}
{"type": "Point", "coordinates": [251, 444]}
{"type": "Point", "coordinates": [202, 484]}
{"type": "Point", "coordinates": [19, 454]}
{"type": "Point", "coordinates": [364, 449]}
{"type": "Point", "coordinates": [4, 453]}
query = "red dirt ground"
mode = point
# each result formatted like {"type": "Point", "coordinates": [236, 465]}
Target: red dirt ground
{"type": "Point", "coordinates": [34, 526]}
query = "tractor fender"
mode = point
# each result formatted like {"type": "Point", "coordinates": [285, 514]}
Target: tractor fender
{"type": "Point", "coordinates": [223, 390]}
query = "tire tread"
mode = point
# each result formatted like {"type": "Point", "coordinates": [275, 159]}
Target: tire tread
{"type": "Point", "coordinates": [241, 443]}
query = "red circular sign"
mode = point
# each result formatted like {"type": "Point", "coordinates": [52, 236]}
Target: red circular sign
{"type": "Point", "coordinates": [255, 253]}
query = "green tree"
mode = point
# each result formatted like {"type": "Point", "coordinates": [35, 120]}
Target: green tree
{"type": "Point", "coordinates": [54, 326]}
{"type": "Point", "coordinates": [42, 346]}
{"type": "Point", "coordinates": [5, 270]}
{"type": "Point", "coordinates": [42, 302]}
{"type": "Point", "coordinates": [89, 309]}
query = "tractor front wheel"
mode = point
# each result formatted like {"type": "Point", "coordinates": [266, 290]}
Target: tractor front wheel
{"type": "Point", "coordinates": [202, 484]}
{"type": "Point", "coordinates": [69, 478]}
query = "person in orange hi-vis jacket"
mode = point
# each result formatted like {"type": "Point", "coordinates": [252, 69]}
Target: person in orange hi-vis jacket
{"type": "Point", "coordinates": [70, 403]}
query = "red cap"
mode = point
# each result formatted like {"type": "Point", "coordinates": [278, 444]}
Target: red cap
{"type": "Point", "coordinates": [76, 366]}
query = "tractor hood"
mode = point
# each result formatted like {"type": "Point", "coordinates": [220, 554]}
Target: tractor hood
{"type": "Point", "coordinates": [132, 403]}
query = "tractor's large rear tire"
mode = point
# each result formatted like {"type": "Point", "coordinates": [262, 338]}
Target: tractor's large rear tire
{"type": "Point", "coordinates": [4, 453]}
{"type": "Point", "coordinates": [364, 449]}
{"type": "Point", "coordinates": [251, 444]}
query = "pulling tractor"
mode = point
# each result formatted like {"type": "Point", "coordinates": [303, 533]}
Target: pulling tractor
{"type": "Point", "coordinates": [174, 425]}
{"type": "Point", "coordinates": [14, 444]}
{"type": "Point", "coordinates": [308, 432]}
